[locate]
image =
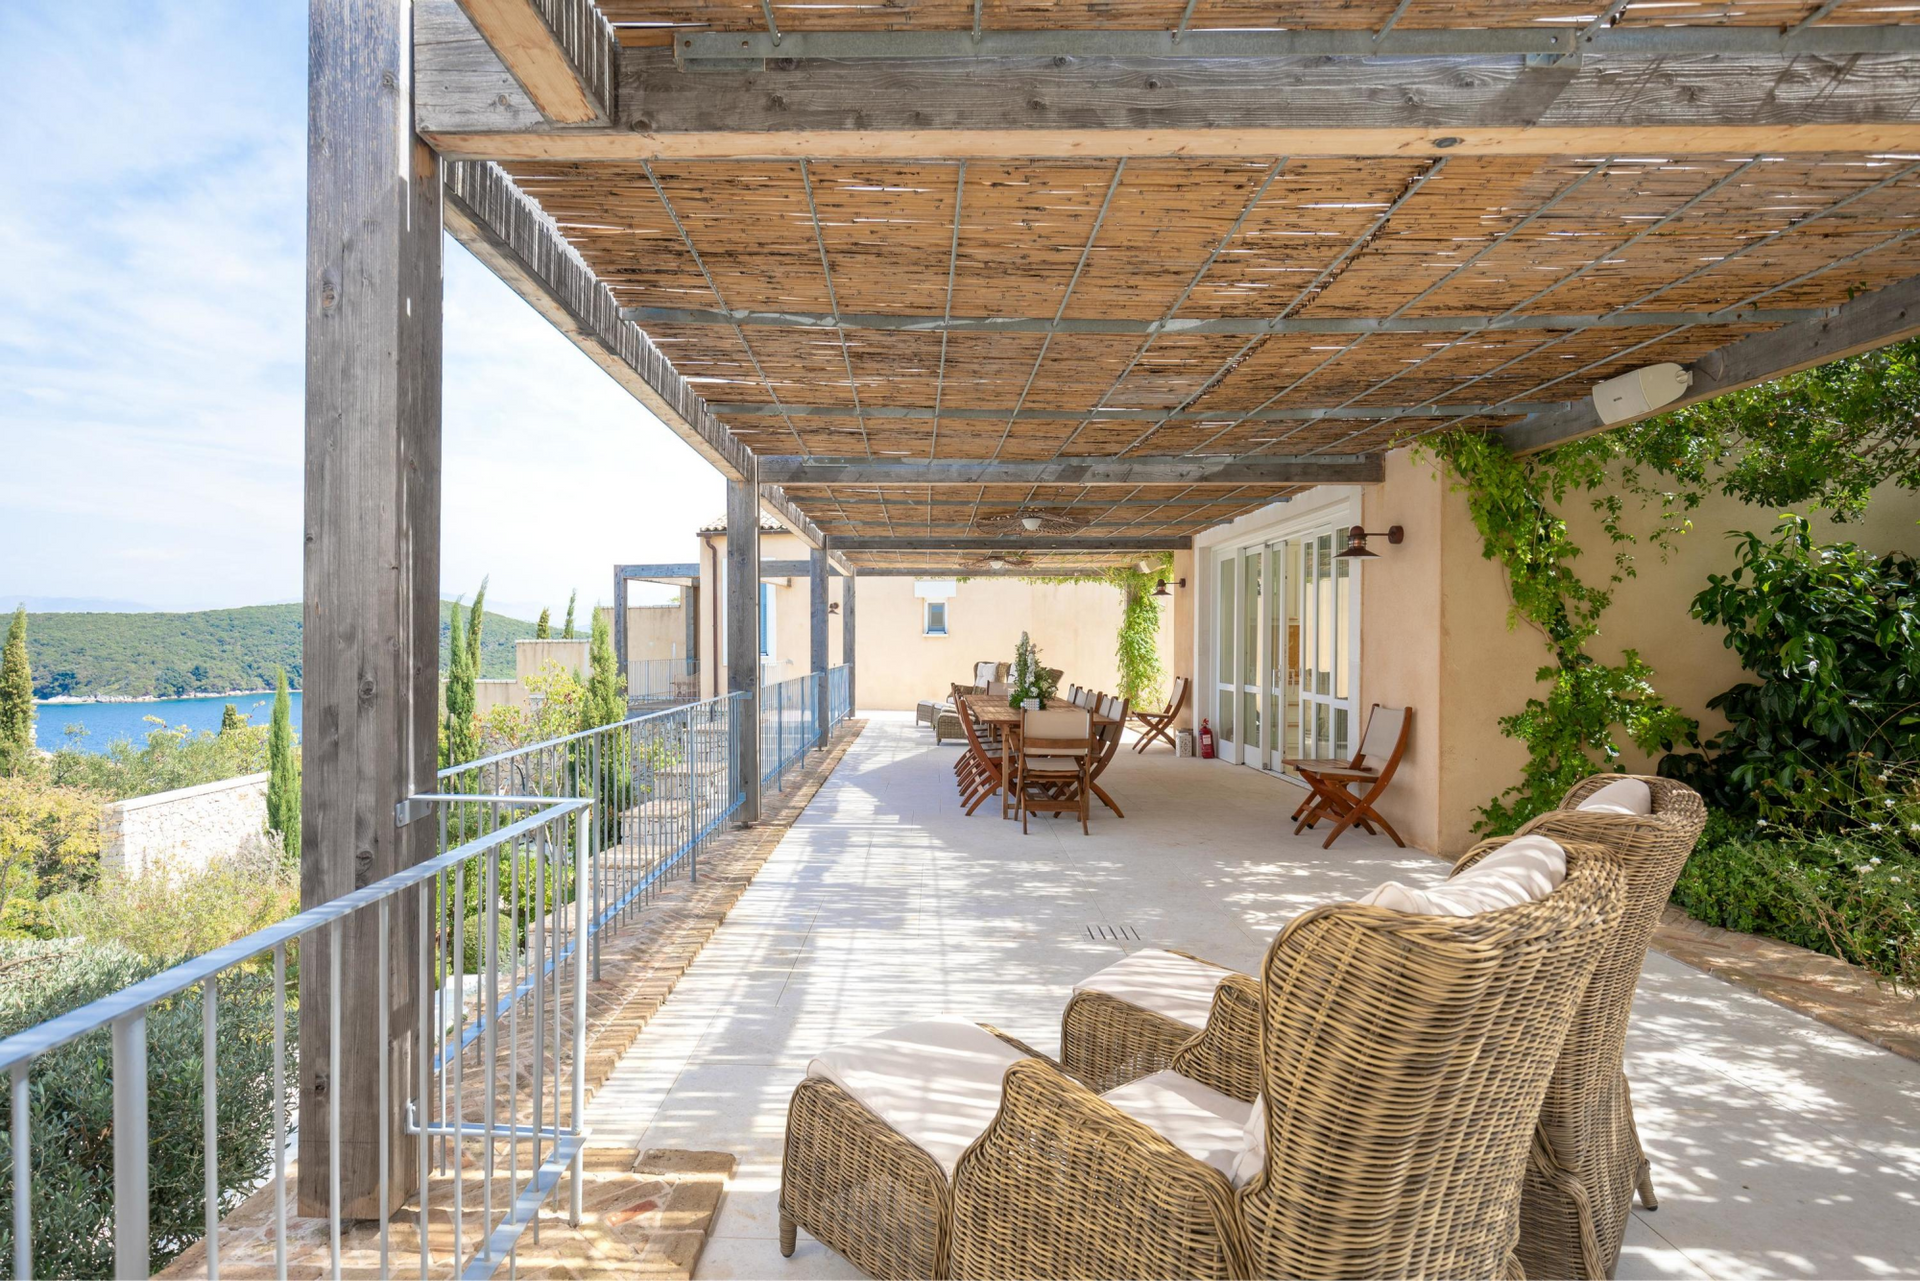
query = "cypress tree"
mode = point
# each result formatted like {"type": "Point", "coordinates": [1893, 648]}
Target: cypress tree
{"type": "Point", "coordinates": [543, 630]}
{"type": "Point", "coordinates": [16, 698]}
{"type": "Point", "coordinates": [460, 696]}
{"type": "Point", "coordinates": [605, 703]}
{"type": "Point", "coordinates": [231, 720]}
{"type": "Point", "coordinates": [283, 771]}
{"type": "Point", "coordinates": [568, 633]}
{"type": "Point", "coordinates": [473, 630]}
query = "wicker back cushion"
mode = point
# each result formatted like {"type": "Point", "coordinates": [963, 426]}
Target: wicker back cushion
{"type": "Point", "coordinates": [1404, 1059]}
{"type": "Point", "coordinates": [1525, 870]}
{"type": "Point", "coordinates": [1629, 796]}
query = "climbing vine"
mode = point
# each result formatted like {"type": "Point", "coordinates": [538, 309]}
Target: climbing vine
{"type": "Point", "coordinates": [1137, 644]}
{"type": "Point", "coordinates": [1576, 727]}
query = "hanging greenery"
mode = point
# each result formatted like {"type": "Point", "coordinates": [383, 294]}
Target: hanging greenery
{"type": "Point", "coordinates": [1575, 729]}
{"type": "Point", "coordinates": [1137, 644]}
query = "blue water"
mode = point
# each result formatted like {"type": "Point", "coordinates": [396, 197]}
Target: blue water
{"type": "Point", "coordinates": [106, 722]}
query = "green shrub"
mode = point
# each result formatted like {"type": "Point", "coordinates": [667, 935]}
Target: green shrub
{"type": "Point", "coordinates": [171, 758]}
{"type": "Point", "coordinates": [164, 916]}
{"type": "Point", "coordinates": [1845, 882]}
{"type": "Point", "coordinates": [1832, 635]}
{"type": "Point", "coordinates": [71, 1102]}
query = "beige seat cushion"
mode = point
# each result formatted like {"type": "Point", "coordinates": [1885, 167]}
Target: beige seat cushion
{"type": "Point", "coordinates": [1524, 870]}
{"type": "Point", "coordinates": [1207, 1125]}
{"type": "Point", "coordinates": [1622, 796]}
{"type": "Point", "coordinates": [936, 1082]}
{"type": "Point", "coordinates": [1172, 986]}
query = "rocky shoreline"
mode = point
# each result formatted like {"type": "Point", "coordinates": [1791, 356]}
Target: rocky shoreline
{"type": "Point", "coordinates": [63, 700]}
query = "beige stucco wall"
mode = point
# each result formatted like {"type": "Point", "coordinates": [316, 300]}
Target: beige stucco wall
{"type": "Point", "coordinates": [1074, 624]}
{"type": "Point", "coordinates": [1176, 631]}
{"type": "Point", "coordinates": [1435, 636]}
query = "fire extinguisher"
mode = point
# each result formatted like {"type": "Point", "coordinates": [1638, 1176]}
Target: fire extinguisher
{"type": "Point", "coordinates": [1206, 740]}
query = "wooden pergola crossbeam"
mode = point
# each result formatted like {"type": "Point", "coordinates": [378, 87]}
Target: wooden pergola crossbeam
{"type": "Point", "coordinates": [1278, 471]}
{"type": "Point", "coordinates": [1108, 413]}
{"type": "Point", "coordinates": [1869, 321]}
{"type": "Point", "coordinates": [729, 48]}
{"type": "Point", "coordinates": [1012, 543]}
{"type": "Point", "coordinates": [1256, 326]}
{"type": "Point", "coordinates": [562, 53]}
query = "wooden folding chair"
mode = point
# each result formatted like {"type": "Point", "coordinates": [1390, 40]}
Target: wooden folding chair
{"type": "Point", "coordinates": [1332, 781]}
{"type": "Point", "coordinates": [1158, 724]}
{"type": "Point", "coordinates": [1052, 761]}
{"type": "Point", "coordinates": [987, 774]}
{"type": "Point", "coordinates": [1106, 740]}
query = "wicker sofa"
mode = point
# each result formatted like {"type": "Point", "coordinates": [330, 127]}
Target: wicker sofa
{"type": "Point", "coordinates": [1586, 1161]}
{"type": "Point", "coordinates": [1407, 1056]}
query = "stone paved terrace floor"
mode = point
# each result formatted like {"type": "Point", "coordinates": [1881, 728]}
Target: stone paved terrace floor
{"type": "Point", "coordinates": [1781, 1147]}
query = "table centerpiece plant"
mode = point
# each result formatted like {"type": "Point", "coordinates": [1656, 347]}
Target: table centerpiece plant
{"type": "Point", "coordinates": [1031, 684]}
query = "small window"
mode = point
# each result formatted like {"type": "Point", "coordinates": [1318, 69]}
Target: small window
{"type": "Point", "coordinates": [935, 623]}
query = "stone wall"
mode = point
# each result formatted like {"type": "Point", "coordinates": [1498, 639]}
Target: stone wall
{"type": "Point", "coordinates": [183, 829]}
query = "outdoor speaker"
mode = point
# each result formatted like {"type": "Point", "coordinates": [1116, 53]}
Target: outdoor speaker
{"type": "Point", "coordinates": [1633, 394]}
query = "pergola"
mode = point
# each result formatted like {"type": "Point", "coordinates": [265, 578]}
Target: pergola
{"type": "Point", "coordinates": [1142, 267]}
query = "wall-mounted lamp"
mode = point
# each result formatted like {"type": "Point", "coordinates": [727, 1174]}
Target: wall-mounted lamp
{"type": "Point", "coordinates": [1160, 588]}
{"type": "Point", "coordinates": [833, 607]}
{"type": "Point", "coordinates": [1357, 542]}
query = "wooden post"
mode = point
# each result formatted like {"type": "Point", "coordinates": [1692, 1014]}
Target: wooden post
{"type": "Point", "coordinates": [743, 629]}
{"type": "Point", "coordinates": [370, 676]}
{"type": "Point", "coordinates": [690, 610]}
{"type": "Point", "coordinates": [817, 629]}
{"type": "Point", "coordinates": [846, 641]}
{"type": "Point", "coordinates": [620, 627]}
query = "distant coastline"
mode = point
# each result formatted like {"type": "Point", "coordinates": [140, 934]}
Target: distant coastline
{"type": "Point", "coordinates": [68, 700]}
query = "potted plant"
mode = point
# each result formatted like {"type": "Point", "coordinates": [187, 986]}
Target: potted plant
{"type": "Point", "coordinates": [1032, 684]}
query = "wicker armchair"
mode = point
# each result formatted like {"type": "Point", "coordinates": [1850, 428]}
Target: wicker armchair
{"type": "Point", "coordinates": [1586, 1161]}
{"type": "Point", "coordinates": [1404, 1059]}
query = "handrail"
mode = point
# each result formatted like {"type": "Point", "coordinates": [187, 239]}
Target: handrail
{"type": "Point", "coordinates": [45, 1037]}
{"type": "Point", "coordinates": [466, 767]}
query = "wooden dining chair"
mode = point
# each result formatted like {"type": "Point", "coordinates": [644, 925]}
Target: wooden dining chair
{"type": "Point", "coordinates": [1157, 725]}
{"type": "Point", "coordinates": [1372, 767]}
{"type": "Point", "coordinates": [1052, 763]}
{"type": "Point", "coordinates": [987, 773]}
{"type": "Point", "coordinates": [1106, 747]}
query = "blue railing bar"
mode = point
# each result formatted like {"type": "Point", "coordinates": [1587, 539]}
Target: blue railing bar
{"type": "Point", "coordinates": [443, 1131]}
{"type": "Point", "coordinates": [24, 1047]}
{"type": "Point", "coordinates": [501, 1241]}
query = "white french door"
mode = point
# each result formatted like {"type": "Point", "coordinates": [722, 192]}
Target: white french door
{"type": "Point", "coordinates": [1286, 638]}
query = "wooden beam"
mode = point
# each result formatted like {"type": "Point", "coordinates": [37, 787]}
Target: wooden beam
{"type": "Point", "coordinates": [847, 639]}
{"type": "Point", "coordinates": [1330, 469]}
{"type": "Point", "coordinates": [817, 640]}
{"type": "Point", "coordinates": [1601, 104]}
{"type": "Point", "coordinates": [961, 571]}
{"type": "Point", "coordinates": [1014, 544]}
{"type": "Point", "coordinates": [743, 633]}
{"type": "Point", "coordinates": [1869, 321]}
{"type": "Point", "coordinates": [509, 233]}
{"type": "Point", "coordinates": [1252, 326]}
{"type": "Point", "coordinates": [371, 623]}
{"type": "Point", "coordinates": [774, 501]}
{"type": "Point", "coordinates": [1109, 414]}
{"type": "Point", "coordinates": [561, 53]}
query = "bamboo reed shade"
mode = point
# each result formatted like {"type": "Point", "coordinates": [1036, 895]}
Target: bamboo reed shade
{"type": "Point", "coordinates": [650, 22]}
{"type": "Point", "coordinates": [1199, 237]}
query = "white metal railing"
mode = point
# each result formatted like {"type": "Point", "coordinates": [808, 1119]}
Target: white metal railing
{"type": "Point", "coordinates": [541, 851]}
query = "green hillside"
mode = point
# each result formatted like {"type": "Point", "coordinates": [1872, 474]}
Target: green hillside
{"type": "Point", "coordinates": [209, 652]}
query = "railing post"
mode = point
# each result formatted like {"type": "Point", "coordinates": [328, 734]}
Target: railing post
{"type": "Point", "coordinates": [132, 1251]}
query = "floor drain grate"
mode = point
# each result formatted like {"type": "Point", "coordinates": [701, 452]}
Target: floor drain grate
{"type": "Point", "coordinates": [1113, 933]}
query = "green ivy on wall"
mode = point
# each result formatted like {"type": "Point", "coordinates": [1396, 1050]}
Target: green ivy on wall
{"type": "Point", "coordinates": [1137, 644]}
{"type": "Point", "coordinates": [1575, 729]}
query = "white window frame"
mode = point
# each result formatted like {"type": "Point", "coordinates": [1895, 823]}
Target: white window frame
{"type": "Point", "coordinates": [927, 607]}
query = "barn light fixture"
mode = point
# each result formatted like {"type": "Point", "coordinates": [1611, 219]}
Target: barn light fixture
{"type": "Point", "coordinates": [1160, 588]}
{"type": "Point", "coordinates": [1357, 542]}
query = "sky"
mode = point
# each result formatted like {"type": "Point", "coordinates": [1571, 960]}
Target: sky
{"type": "Point", "coordinates": [152, 227]}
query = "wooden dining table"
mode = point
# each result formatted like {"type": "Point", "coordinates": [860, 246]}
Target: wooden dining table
{"type": "Point", "coordinates": [995, 712]}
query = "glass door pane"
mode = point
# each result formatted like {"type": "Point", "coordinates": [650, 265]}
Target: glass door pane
{"type": "Point", "coordinates": [1225, 675]}
{"type": "Point", "coordinates": [1251, 571]}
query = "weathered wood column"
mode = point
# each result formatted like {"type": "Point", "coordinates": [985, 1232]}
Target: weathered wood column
{"type": "Point", "coordinates": [846, 641]}
{"type": "Point", "coordinates": [743, 629]}
{"type": "Point", "coordinates": [817, 636]}
{"type": "Point", "coordinates": [620, 627]}
{"type": "Point", "coordinates": [370, 677]}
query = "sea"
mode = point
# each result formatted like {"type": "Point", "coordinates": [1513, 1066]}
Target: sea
{"type": "Point", "coordinates": [104, 723]}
